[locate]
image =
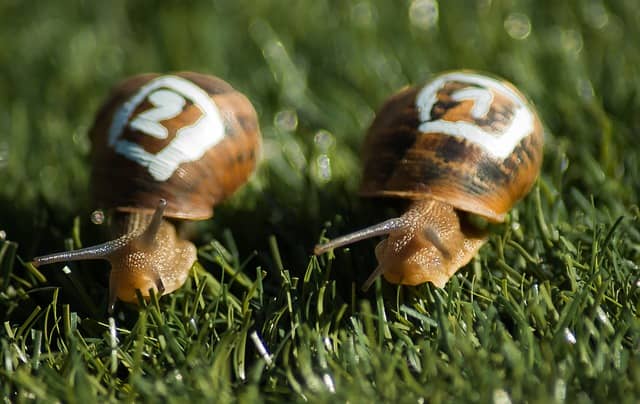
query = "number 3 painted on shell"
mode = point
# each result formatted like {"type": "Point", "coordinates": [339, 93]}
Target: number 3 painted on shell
{"type": "Point", "coordinates": [478, 89]}
{"type": "Point", "coordinates": [168, 95]}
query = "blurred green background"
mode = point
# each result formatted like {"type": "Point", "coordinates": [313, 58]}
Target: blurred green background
{"type": "Point", "coordinates": [316, 71]}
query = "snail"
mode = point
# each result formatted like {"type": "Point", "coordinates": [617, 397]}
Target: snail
{"type": "Point", "coordinates": [462, 144]}
{"type": "Point", "coordinates": [163, 146]}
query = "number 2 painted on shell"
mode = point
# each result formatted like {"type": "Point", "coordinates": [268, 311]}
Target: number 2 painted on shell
{"type": "Point", "coordinates": [168, 95]}
{"type": "Point", "coordinates": [167, 105]}
{"type": "Point", "coordinates": [499, 145]}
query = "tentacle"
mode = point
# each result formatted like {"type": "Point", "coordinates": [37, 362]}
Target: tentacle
{"type": "Point", "coordinates": [100, 251]}
{"type": "Point", "coordinates": [372, 278]}
{"type": "Point", "coordinates": [148, 237]}
{"type": "Point", "coordinates": [379, 229]}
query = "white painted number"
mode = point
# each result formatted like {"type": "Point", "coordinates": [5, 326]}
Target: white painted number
{"type": "Point", "coordinates": [167, 105]}
{"type": "Point", "coordinates": [168, 95]}
{"type": "Point", "coordinates": [481, 97]}
{"type": "Point", "coordinates": [499, 145]}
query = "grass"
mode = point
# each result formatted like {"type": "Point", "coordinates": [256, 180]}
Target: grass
{"type": "Point", "coordinates": [547, 312]}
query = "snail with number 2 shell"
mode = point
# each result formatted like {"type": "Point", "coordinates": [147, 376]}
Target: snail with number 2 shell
{"type": "Point", "coordinates": [164, 146]}
{"type": "Point", "coordinates": [464, 143]}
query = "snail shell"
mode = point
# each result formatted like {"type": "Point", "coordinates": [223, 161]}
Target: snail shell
{"type": "Point", "coordinates": [164, 146]}
{"type": "Point", "coordinates": [463, 142]}
{"type": "Point", "coordinates": [188, 138]}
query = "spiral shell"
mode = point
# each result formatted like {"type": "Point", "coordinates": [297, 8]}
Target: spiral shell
{"type": "Point", "coordinates": [188, 138]}
{"type": "Point", "coordinates": [463, 138]}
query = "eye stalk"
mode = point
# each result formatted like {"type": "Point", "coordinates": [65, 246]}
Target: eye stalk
{"type": "Point", "coordinates": [379, 229]}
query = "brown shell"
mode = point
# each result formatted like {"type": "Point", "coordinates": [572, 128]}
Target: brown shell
{"type": "Point", "coordinates": [419, 149]}
{"type": "Point", "coordinates": [124, 181]}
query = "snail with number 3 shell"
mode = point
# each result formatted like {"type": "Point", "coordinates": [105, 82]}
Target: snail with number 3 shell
{"type": "Point", "coordinates": [464, 143]}
{"type": "Point", "coordinates": [164, 146]}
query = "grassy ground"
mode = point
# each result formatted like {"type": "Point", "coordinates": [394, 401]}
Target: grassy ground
{"type": "Point", "coordinates": [548, 311]}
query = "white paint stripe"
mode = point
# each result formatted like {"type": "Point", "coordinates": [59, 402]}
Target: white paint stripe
{"type": "Point", "coordinates": [498, 145]}
{"type": "Point", "coordinates": [134, 152]}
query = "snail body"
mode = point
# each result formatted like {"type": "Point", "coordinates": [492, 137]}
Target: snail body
{"type": "Point", "coordinates": [463, 143]}
{"type": "Point", "coordinates": [164, 146]}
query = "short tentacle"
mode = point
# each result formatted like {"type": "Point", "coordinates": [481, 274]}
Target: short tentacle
{"type": "Point", "coordinates": [149, 235]}
{"type": "Point", "coordinates": [372, 278]}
